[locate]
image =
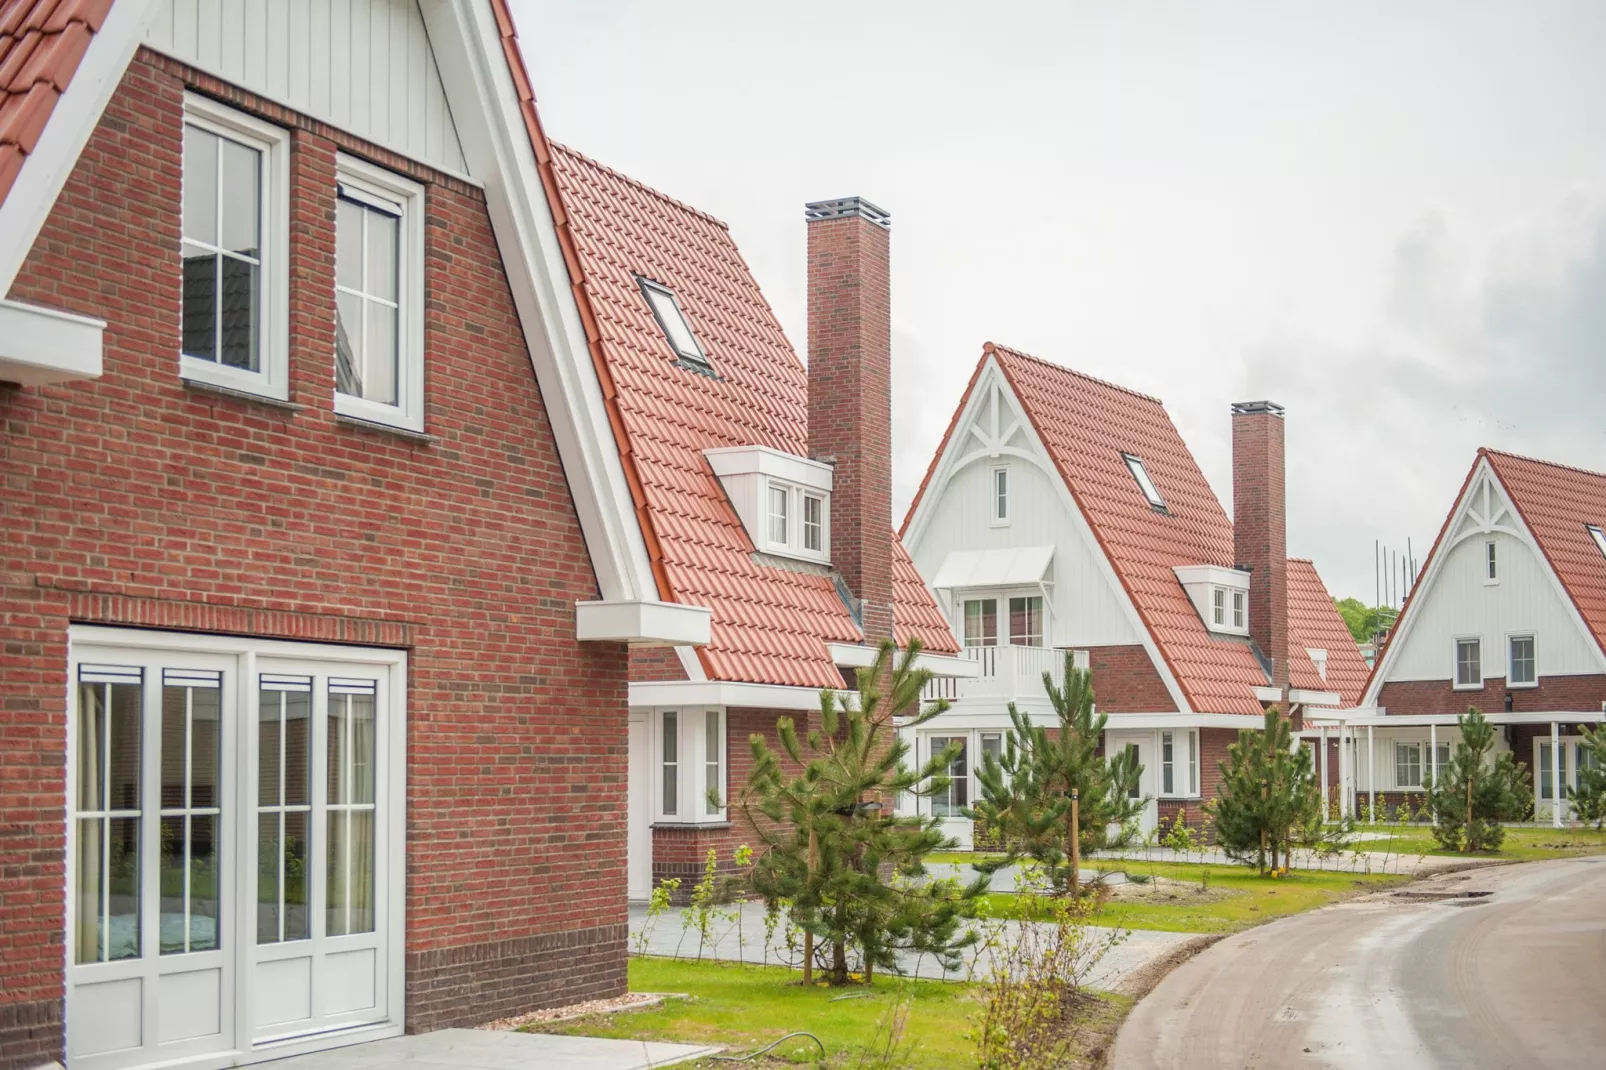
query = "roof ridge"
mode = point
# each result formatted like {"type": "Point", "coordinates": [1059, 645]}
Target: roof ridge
{"type": "Point", "coordinates": [1489, 451]}
{"type": "Point", "coordinates": [996, 347]}
{"type": "Point", "coordinates": [638, 184]}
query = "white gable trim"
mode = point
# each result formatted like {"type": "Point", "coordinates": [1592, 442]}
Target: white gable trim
{"type": "Point", "coordinates": [993, 390]}
{"type": "Point", "coordinates": [45, 170]}
{"type": "Point", "coordinates": [1489, 507]}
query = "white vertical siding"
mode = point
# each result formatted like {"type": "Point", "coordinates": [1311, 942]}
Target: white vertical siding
{"type": "Point", "coordinates": [362, 65]}
{"type": "Point", "coordinates": [1525, 601]}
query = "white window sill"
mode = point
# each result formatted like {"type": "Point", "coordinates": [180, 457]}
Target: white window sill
{"type": "Point", "coordinates": [205, 387]}
{"type": "Point", "coordinates": [1467, 687]}
{"type": "Point", "coordinates": [370, 412]}
{"type": "Point", "coordinates": [385, 428]}
{"type": "Point", "coordinates": [1522, 687]}
{"type": "Point", "coordinates": [242, 383]}
{"type": "Point", "coordinates": [796, 555]}
{"type": "Point", "coordinates": [710, 823]}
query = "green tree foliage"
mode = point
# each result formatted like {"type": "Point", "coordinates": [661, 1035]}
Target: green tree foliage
{"type": "Point", "coordinates": [1473, 794]}
{"type": "Point", "coordinates": [832, 851]}
{"type": "Point", "coordinates": [1589, 797]}
{"type": "Point", "coordinates": [1025, 795]}
{"type": "Point", "coordinates": [1268, 799]}
{"type": "Point", "coordinates": [1364, 621]}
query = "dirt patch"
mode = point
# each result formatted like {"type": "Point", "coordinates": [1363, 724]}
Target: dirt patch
{"type": "Point", "coordinates": [1165, 890]}
{"type": "Point", "coordinates": [630, 1001]}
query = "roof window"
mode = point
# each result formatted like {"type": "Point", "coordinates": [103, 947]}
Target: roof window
{"type": "Point", "coordinates": [1145, 484]}
{"type": "Point", "coordinates": [672, 321]}
{"type": "Point", "coordinates": [1598, 535]}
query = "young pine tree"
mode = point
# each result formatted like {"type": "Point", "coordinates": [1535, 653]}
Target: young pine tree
{"type": "Point", "coordinates": [1589, 798]}
{"type": "Point", "coordinates": [829, 842]}
{"type": "Point", "coordinates": [1025, 795]}
{"type": "Point", "coordinates": [1473, 795]}
{"type": "Point", "coordinates": [1268, 798]}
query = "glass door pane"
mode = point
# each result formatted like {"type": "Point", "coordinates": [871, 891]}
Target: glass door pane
{"type": "Point", "coordinates": [351, 807]}
{"type": "Point", "coordinates": [107, 813]}
{"type": "Point", "coordinates": [284, 806]}
{"type": "Point", "coordinates": [191, 742]}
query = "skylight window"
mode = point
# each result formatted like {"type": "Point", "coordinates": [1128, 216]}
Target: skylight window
{"type": "Point", "coordinates": [1598, 535]}
{"type": "Point", "coordinates": [672, 321]}
{"type": "Point", "coordinates": [1145, 484]}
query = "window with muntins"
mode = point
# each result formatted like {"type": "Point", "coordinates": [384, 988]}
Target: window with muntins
{"type": "Point", "coordinates": [669, 759]}
{"type": "Point", "coordinates": [981, 622]}
{"type": "Point", "coordinates": [1468, 663]}
{"type": "Point", "coordinates": [1001, 495]}
{"type": "Point", "coordinates": [1026, 620]}
{"type": "Point", "coordinates": [1523, 670]}
{"type": "Point", "coordinates": [234, 274]}
{"type": "Point", "coordinates": [1218, 606]}
{"type": "Point", "coordinates": [1408, 765]}
{"type": "Point", "coordinates": [780, 500]}
{"type": "Point", "coordinates": [1179, 763]}
{"type": "Point", "coordinates": [952, 800]}
{"type": "Point", "coordinates": [1239, 606]}
{"type": "Point", "coordinates": [690, 788]}
{"type": "Point", "coordinates": [813, 523]}
{"type": "Point", "coordinates": [1491, 563]}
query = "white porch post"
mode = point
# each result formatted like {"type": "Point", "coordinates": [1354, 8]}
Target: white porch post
{"type": "Point", "coordinates": [1555, 773]}
{"type": "Point", "coordinates": [1346, 769]}
{"type": "Point", "coordinates": [1371, 775]}
{"type": "Point", "coordinates": [1433, 751]}
{"type": "Point", "coordinates": [1324, 774]}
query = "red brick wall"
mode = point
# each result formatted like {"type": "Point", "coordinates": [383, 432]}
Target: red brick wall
{"type": "Point", "coordinates": [1260, 530]}
{"type": "Point", "coordinates": [1582, 694]}
{"type": "Point", "coordinates": [652, 663]}
{"type": "Point", "coordinates": [850, 402]}
{"type": "Point", "coordinates": [134, 499]}
{"type": "Point", "coordinates": [1126, 681]}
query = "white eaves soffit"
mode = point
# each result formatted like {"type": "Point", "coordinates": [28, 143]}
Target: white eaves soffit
{"type": "Point", "coordinates": [42, 345]}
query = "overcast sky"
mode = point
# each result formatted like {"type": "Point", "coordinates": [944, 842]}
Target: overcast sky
{"type": "Point", "coordinates": [1389, 218]}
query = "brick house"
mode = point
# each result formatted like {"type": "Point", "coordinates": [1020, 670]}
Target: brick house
{"type": "Point", "coordinates": [764, 488]}
{"type": "Point", "coordinates": [1064, 513]}
{"type": "Point", "coordinates": [1508, 615]}
{"type": "Point", "coordinates": [321, 560]}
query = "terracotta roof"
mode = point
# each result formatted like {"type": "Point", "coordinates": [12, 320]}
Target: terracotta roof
{"type": "Point", "coordinates": [41, 44]}
{"type": "Point", "coordinates": [914, 613]}
{"type": "Point", "coordinates": [770, 623]}
{"type": "Point", "coordinates": [1313, 623]}
{"type": "Point", "coordinates": [1086, 425]}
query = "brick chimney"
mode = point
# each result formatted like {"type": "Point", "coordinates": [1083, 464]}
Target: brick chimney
{"type": "Point", "coordinates": [1260, 525]}
{"type": "Point", "coordinates": [850, 393]}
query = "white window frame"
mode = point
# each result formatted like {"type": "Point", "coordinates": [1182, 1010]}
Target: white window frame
{"type": "Point", "coordinates": [1218, 606]}
{"type": "Point", "coordinates": [696, 355]}
{"type": "Point", "coordinates": [818, 525]}
{"type": "Point", "coordinates": [965, 600]}
{"type": "Point", "coordinates": [272, 380]}
{"type": "Point", "coordinates": [998, 502]}
{"type": "Point", "coordinates": [1240, 611]}
{"type": "Point", "coordinates": [1455, 663]}
{"type": "Point", "coordinates": [795, 545]}
{"type": "Point", "coordinates": [1184, 760]}
{"type": "Point", "coordinates": [1000, 597]}
{"type": "Point", "coordinates": [1146, 485]}
{"type": "Point", "coordinates": [691, 765]}
{"type": "Point", "coordinates": [390, 192]}
{"type": "Point", "coordinates": [1491, 563]}
{"type": "Point", "coordinates": [1511, 681]}
{"type": "Point", "coordinates": [1006, 625]}
{"type": "Point", "coordinates": [968, 757]}
{"type": "Point", "coordinates": [1599, 535]}
{"type": "Point", "coordinates": [1421, 766]}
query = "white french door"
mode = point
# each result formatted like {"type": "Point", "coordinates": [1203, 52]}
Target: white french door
{"type": "Point", "coordinates": [234, 849]}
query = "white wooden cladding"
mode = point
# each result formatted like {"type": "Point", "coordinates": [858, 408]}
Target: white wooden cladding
{"type": "Point", "coordinates": [1459, 603]}
{"type": "Point", "coordinates": [364, 66]}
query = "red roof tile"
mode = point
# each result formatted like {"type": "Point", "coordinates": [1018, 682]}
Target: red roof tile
{"type": "Point", "coordinates": [770, 623]}
{"type": "Point", "coordinates": [1314, 624]}
{"type": "Point", "coordinates": [1558, 503]}
{"type": "Point", "coordinates": [41, 44]}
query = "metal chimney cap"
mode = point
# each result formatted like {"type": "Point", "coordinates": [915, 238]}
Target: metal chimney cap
{"type": "Point", "coordinates": [1256, 408]}
{"type": "Point", "coordinates": [845, 208]}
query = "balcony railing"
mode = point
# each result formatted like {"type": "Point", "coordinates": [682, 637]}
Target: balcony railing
{"type": "Point", "coordinates": [1007, 673]}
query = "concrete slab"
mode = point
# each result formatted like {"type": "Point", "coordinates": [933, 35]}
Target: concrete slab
{"type": "Point", "coordinates": [478, 1049]}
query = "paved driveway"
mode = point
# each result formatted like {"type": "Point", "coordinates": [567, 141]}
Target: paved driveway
{"type": "Point", "coordinates": [1512, 979]}
{"type": "Point", "coordinates": [475, 1049]}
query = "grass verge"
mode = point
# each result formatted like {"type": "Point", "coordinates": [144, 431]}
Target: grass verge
{"type": "Point", "coordinates": [1523, 843]}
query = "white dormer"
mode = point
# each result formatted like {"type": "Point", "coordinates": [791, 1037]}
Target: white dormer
{"type": "Point", "coordinates": [1221, 595]}
{"type": "Point", "coordinates": [783, 500]}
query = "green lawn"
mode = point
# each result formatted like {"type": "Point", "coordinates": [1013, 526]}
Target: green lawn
{"type": "Point", "coordinates": [746, 1007]}
{"type": "Point", "coordinates": [1523, 843]}
{"type": "Point", "coordinates": [1237, 897]}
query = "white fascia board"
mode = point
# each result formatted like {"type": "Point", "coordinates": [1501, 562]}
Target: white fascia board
{"type": "Point", "coordinates": [1119, 721]}
{"type": "Point", "coordinates": [745, 460]}
{"type": "Point", "coordinates": [44, 171]}
{"type": "Point", "coordinates": [42, 345]}
{"type": "Point", "coordinates": [1214, 575]}
{"type": "Point", "coordinates": [496, 147]}
{"type": "Point", "coordinates": [1268, 694]}
{"type": "Point", "coordinates": [1379, 719]}
{"type": "Point", "coordinates": [645, 623]}
{"type": "Point", "coordinates": [859, 656]}
{"type": "Point", "coordinates": [1315, 698]}
{"type": "Point", "coordinates": [727, 693]}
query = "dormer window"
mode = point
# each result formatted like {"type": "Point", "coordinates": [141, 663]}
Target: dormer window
{"type": "Point", "coordinates": [1598, 535]}
{"type": "Point", "coordinates": [1218, 599]}
{"type": "Point", "coordinates": [813, 523]}
{"type": "Point", "coordinates": [1239, 605]}
{"type": "Point", "coordinates": [1220, 595]}
{"type": "Point", "coordinates": [1140, 473]}
{"type": "Point", "coordinates": [782, 500]}
{"type": "Point", "coordinates": [672, 321]}
{"type": "Point", "coordinates": [780, 504]}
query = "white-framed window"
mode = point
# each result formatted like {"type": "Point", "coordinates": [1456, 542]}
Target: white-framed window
{"type": "Point", "coordinates": [234, 237]}
{"type": "Point", "coordinates": [672, 321]}
{"type": "Point", "coordinates": [1491, 562]}
{"type": "Point", "coordinates": [952, 801]}
{"type": "Point", "coordinates": [1179, 763]}
{"type": "Point", "coordinates": [379, 295]}
{"type": "Point", "coordinates": [1469, 663]}
{"type": "Point", "coordinates": [981, 622]}
{"type": "Point", "coordinates": [1026, 620]}
{"type": "Point", "coordinates": [814, 523]}
{"type": "Point", "coordinates": [1137, 788]}
{"type": "Point", "coordinates": [1240, 610]}
{"type": "Point", "coordinates": [1522, 668]}
{"type": "Point", "coordinates": [1218, 606]}
{"type": "Point", "coordinates": [780, 511]}
{"type": "Point", "coordinates": [1000, 494]}
{"type": "Point", "coordinates": [991, 743]}
{"type": "Point", "coordinates": [1545, 777]}
{"type": "Point", "coordinates": [1140, 472]}
{"type": "Point", "coordinates": [1410, 766]}
{"type": "Point", "coordinates": [690, 758]}
{"type": "Point", "coordinates": [1598, 535]}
